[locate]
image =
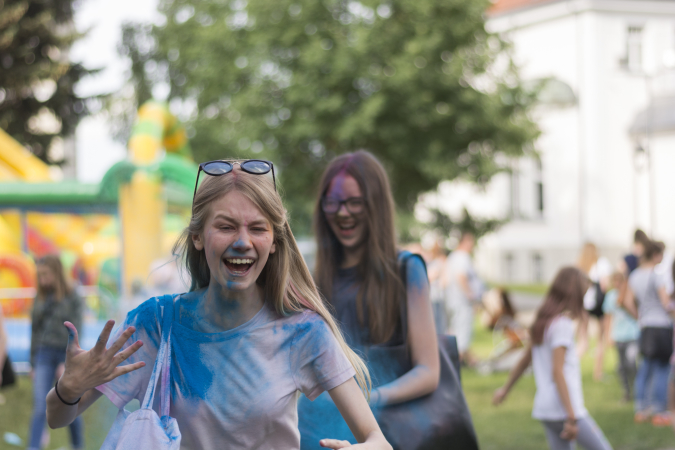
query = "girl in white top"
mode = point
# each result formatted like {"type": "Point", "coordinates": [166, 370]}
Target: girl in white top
{"type": "Point", "coordinates": [598, 269]}
{"type": "Point", "coordinates": [251, 333]}
{"type": "Point", "coordinates": [559, 401]}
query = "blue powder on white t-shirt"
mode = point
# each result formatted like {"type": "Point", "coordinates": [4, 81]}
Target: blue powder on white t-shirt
{"type": "Point", "coordinates": [236, 389]}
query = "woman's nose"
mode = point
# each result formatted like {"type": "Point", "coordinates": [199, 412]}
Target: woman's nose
{"type": "Point", "coordinates": [243, 242]}
{"type": "Point", "coordinates": [343, 211]}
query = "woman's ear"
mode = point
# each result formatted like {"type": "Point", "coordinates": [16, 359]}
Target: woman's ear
{"type": "Point", "coordinates": [273, 248]}
{"type": "Point", "coordinates": [197, 241]}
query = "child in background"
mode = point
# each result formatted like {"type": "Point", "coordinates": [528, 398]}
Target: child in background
{"type": "Point", "coordinates": [625, 333]}
{"type": "Point", "coordinates": [559, 400]}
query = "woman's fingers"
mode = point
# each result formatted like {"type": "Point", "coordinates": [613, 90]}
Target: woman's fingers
{"type": "Point", "coordinates": [498, 396]}
{"type": "Point", "coordinates": [569, 432]}
{"type": "Point", "coordinates": [73, 338]}
{"type": "Point", "coordinates": [119, 343]}
{"type": "Point", "coordinates": [334, 443]}
{"type": "Point", "coordinates": [103, 337]}
{"type": "Point", "coordinates": [127, 352]}
{"type": "Point", "coordinates": [122, 370]}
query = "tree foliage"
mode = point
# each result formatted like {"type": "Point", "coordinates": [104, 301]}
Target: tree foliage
{"type": "Point", "coordinates": [37, 99]}
{"type": "Point", "coordinates": [444, 225]}
{"type": "Point", "coordinates": [420, 83]}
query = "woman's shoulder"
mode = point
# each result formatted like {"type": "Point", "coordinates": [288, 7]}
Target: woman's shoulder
{"type": "Point", "coordinates": [302, 318]}
{"type": "Point", "coordinates": [148, 313]}
{"type": "Point", "coordinates": [304, 323]}
{"type": "Point", "coordinates": [560, 323]}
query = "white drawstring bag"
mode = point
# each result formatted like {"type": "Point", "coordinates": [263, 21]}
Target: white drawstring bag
{"type": "Point", "coordinates": [144, 429]}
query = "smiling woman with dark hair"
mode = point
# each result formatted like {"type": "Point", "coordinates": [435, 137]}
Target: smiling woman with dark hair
{"type": "Point", "coordinates": [250, 334]}
{"type": "Point", "coordinates": [358, 271]}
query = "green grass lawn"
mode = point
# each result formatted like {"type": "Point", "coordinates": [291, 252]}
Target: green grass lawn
{"type": "Point", "coordinates": [510, 426]}
{"type": "Point", "coordinates": [507, 427]}
{"type": "Point", "coordinates": [532, 289]}
{"type": "Point", "coordinates": [16, 412]}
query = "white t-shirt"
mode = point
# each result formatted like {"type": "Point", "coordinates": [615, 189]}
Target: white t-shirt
{"type": "Point", "coordinates": [601, 269]}
{"type": "Point", "coordinates": [459, 263]}
{"type": "Point", "coordinates": [547, 404]}
{"type": "Point", "coordinates": [237, 389]}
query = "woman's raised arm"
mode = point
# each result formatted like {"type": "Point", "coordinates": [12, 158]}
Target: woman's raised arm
{"type": "Point", "coordinates": [86, 370]}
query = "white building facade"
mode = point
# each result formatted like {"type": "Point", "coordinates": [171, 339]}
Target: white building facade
{"type": "Point", "coordinates": [607, 148]}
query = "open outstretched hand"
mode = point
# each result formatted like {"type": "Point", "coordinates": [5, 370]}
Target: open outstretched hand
{"type": "Point", "coordinates": [87, 369]}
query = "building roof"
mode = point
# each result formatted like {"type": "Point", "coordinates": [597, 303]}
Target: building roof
{"type": "Point", "coordinates": [503, 6]}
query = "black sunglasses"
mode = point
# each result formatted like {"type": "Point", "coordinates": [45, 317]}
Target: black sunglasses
{"type": "Point", "coordinates": [218, 168]}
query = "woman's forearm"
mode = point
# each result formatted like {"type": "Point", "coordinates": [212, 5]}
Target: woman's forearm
{"type": "Point", "coordinates": [377, 439]}
{"type": "Point", "coordinates": [559, 380]}
{"type": "Point", "coordinates": [59, 414]}
{"type": "Point", "coordinates": [519, 369]}
{"type": "Point", "coordinates": [417, 382]}
{"type": "Point", "coordinates": [563, 393]}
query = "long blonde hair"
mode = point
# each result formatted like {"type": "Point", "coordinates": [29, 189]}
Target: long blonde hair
{"type": "Point", "coordinates": [285, 279]}
{"type": "Point", "coordinates": [588, 257]}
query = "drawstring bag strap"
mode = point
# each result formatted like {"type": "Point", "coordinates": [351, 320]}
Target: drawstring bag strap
{"type": "Point", "coordinates": [165, 401]}
{"type": "Point", "coordinates": [163, 362]}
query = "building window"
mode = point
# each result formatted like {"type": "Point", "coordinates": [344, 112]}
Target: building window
{"type": "Point", "coordinates": [633, 59]}
{"type": "Point", "coordinates": [537, 268]}
{"type": "Point", "coordinates": [539, 188]}
{"type": "Point", "coordinates": [515, 190]}
{"type": "Point", "coordinates": [509, 267]}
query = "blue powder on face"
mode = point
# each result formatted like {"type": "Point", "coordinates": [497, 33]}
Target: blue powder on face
{"type": "Point", "coordinates": [239, 245]}
{"type": "Point", "coordinates": [231, 284]}
{"type": "Point", "coordinates": [336, 187]}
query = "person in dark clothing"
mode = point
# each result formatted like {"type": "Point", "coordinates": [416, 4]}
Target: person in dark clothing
{"type": "Point", "coordinates": [631, 261]}
{"type": "Point", "coordinates": [55, 303]}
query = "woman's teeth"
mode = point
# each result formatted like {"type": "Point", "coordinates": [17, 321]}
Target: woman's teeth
{"type": "Point", "coordinates": [239, 261]}
{"type": "Point", "coordinates": [239, 265]}
{"type": "Point", "coordinates": [347, 227]}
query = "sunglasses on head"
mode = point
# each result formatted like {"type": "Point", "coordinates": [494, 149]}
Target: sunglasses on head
{"type": "Point", "coordinates": [219, 167]}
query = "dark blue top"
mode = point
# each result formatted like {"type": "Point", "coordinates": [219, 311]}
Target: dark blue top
{"type": "Point", "coordinates": [343, 299]}
{"type": "Point", "coordinates": [632, 262]}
